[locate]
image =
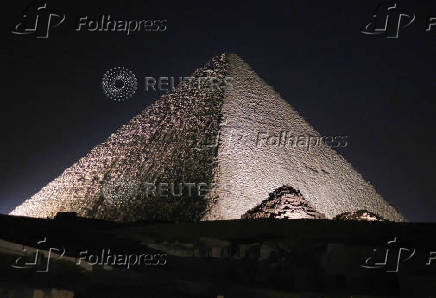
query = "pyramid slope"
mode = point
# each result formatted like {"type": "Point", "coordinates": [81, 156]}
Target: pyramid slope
{"type": "Point", "coordinates": [158, 145]}
{"type": "Point", "coordinates": [161, 145]}
{"type": "Point", "coordinates": [322, 176]}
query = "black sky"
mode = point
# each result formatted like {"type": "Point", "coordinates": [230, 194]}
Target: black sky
{"type": "Point", "coordinates": [380, 92]}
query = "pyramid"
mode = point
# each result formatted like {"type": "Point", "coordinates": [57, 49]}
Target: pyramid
{"type": "Point", "coordinates": [213, 153]}
{"type": "Point", "coordinates": [284, 203]}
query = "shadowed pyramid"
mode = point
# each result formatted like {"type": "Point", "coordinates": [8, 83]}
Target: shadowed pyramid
{"type": "Point", "coordinates": [284, 203]}
{"type": "Point", "coordinates": [169, 145]}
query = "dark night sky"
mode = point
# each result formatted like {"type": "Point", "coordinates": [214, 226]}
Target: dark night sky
{"type": "Point", "coordinates": [380, 92]}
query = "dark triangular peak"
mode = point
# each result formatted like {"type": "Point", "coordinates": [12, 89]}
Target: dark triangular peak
{"type": "Point", "coordinates": [360, 215]}
{"type": "Point", "coordinates": [284, 203]}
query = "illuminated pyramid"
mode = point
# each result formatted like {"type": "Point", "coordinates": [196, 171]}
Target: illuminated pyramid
{"type": "Point", "coordinates": [171, 147]}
